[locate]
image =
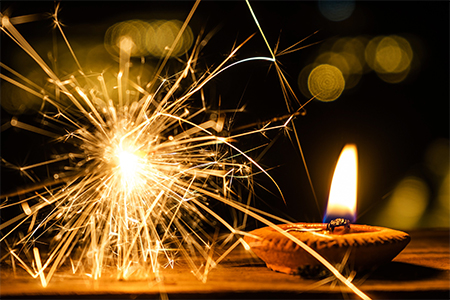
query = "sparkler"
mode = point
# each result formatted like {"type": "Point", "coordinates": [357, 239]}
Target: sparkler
{"type": "Point", "coordinates": [135, 195]}
{"type": "Point", "coordinates": [138, 186]}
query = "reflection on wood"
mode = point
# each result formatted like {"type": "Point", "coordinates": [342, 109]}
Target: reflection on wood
{"type": "Point", "coordinates": [421, 271]}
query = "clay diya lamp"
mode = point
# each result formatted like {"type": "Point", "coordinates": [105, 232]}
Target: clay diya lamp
{"type": "Point", "coordinates": [359, 247]}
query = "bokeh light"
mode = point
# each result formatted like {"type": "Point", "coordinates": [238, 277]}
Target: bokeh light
{"type": "Point", "coordinates": [135, 30]}
{"type": "Point", "coordinates": [326, 82]}
{"type": "Point", "coordinates": [152, 38]}
{"type": "Point", "coordinates": [346, 62]}
{"type": "Point", "coordinates": [336, 10]}
{"type": "Point", "coordinates": [354, 46]}
{"type": "Point", "coordinates": [406, 205]}
{"type": "Point", "coordinates": [345, 53]}
{"type": "Point", "coordinates": [390, 57]}
{"type": "Point", "coordinates": [161, 36]}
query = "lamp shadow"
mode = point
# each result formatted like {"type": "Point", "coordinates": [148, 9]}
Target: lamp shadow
{"type": "Point", "coordinates": [400, 271]}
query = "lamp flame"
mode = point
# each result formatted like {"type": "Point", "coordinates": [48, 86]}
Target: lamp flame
{"type": "Point", "coordinates": [342, 199]}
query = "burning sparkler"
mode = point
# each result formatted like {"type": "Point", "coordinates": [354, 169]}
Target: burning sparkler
{"type": "Point", "coordinates": [143, 170]}
{"type": "Point", "coordinates": [135, 196]}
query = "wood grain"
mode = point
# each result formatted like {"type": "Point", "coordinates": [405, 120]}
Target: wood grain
{"type": "Point", "coordinates": [421, 271]}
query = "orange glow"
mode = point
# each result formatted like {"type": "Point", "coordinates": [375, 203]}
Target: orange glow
{"type": "Point", "coordinates": [342, 199]}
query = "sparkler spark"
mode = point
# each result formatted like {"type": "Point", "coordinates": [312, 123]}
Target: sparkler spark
{"type": "Point", "coordinates": [138, 182]}
{"type": "Point", "coordinates": [134, 194]}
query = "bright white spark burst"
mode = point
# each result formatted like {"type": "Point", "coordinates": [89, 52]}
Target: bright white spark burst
{"type": "Point", "coordinates": [138, 191]}
{"type": "Point", "coordinates": [139, 185]}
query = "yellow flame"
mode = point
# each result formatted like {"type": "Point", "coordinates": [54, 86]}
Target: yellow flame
{"type": "Point", "coordinates": [342, 199]}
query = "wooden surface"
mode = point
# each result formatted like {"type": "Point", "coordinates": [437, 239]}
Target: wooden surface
{"type": "Point", "coordinates": [421, 271]}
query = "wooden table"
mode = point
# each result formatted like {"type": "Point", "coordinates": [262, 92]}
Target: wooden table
{"type": "Point", "coordinates": [421, 271]}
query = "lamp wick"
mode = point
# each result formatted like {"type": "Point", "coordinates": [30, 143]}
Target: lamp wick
{"type": "Point", "coordinates": [338, 222]}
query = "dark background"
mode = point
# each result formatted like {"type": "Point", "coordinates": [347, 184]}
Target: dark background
{"type": "Point", "coordinates": [393, 125]}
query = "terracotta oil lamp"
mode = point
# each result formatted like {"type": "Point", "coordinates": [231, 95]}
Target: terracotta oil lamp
{"type": "Point", "coordinates": [338, 239]}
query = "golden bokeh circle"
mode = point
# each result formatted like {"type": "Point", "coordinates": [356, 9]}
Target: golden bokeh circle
{"type": "Point", "coordinates": [390, 57]}
{"type": "Point", "coordinates": [134, 31]}
{"type": "Point", "coordinates": [394, 77]}
{"type": "Point", "coordinates": [388, 54]}
{"type": "Point", "coordinates": [161, 35]}
{"type": "Point", "coordinates": [326, 82]}
{"type": "Point", "coordinates": [148, 38]}
{"type": "Point", "coordinates": [347, 62]}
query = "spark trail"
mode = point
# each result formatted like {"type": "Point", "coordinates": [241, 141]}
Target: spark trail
{"type": "Point", "coordinates": [141, 175]}
{"type": "Point", "coordinates": [133, 197]}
